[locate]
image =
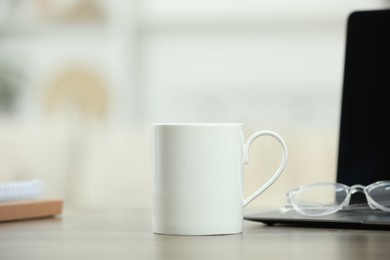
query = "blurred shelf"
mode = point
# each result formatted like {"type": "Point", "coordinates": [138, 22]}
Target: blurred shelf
{"type": "Point", "coordinates": [234, 15]}
{"type": "Point", "coordinates": [52, 28]}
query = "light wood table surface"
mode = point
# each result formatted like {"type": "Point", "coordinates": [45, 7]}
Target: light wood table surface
{"type": "Point", "coordinates": [127, 234]}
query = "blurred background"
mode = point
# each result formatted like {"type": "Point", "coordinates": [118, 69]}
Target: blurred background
{"type": "Point", "coordinates": [82, 80]}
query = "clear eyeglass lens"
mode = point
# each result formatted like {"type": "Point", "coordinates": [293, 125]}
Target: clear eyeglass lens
{"type": "Point", "coordinates": [319, 199]}
{"type": "Point", "coordinates": [381, 194]}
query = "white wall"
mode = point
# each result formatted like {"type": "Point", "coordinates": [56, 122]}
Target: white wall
{"type": "Point", "coordinates": [269, 64]}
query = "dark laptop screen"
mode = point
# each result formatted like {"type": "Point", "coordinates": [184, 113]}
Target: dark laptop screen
{"type": "Point", "coordinates": [364, 141]}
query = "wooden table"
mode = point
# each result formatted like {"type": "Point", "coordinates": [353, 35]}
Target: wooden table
{"type": "Point", "coordinates": [127, 234]}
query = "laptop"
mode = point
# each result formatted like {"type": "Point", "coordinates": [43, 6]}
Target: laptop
{"type": "Point", "coordinates": [364, 133]}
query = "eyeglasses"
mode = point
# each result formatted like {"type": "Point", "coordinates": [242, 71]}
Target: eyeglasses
{"type": "Point", "coordinates": [326, 198]}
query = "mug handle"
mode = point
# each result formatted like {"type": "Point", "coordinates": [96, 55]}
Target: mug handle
{"type": "Point", "coordinates": [279, 170]}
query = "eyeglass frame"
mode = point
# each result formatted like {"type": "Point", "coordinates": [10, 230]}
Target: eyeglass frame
{"type": "Point", "coordinates": [346, 202]}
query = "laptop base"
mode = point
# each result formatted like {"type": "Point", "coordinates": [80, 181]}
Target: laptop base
{"type": "Point", "coordinates": [346, 219]}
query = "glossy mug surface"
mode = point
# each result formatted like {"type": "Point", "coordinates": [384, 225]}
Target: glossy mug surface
{"type": "Point", "coordinates": [197, 177]}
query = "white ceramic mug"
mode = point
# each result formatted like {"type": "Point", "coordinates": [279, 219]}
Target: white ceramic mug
{"type": "Point", "coordinates": [197, 178]}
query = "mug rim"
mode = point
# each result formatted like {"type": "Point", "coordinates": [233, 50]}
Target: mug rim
{"type": "Point", "coordinates": [197, 124]}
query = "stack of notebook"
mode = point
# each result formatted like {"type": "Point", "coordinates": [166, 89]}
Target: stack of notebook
{"type": "Point", "coordinates": [22, 200]}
